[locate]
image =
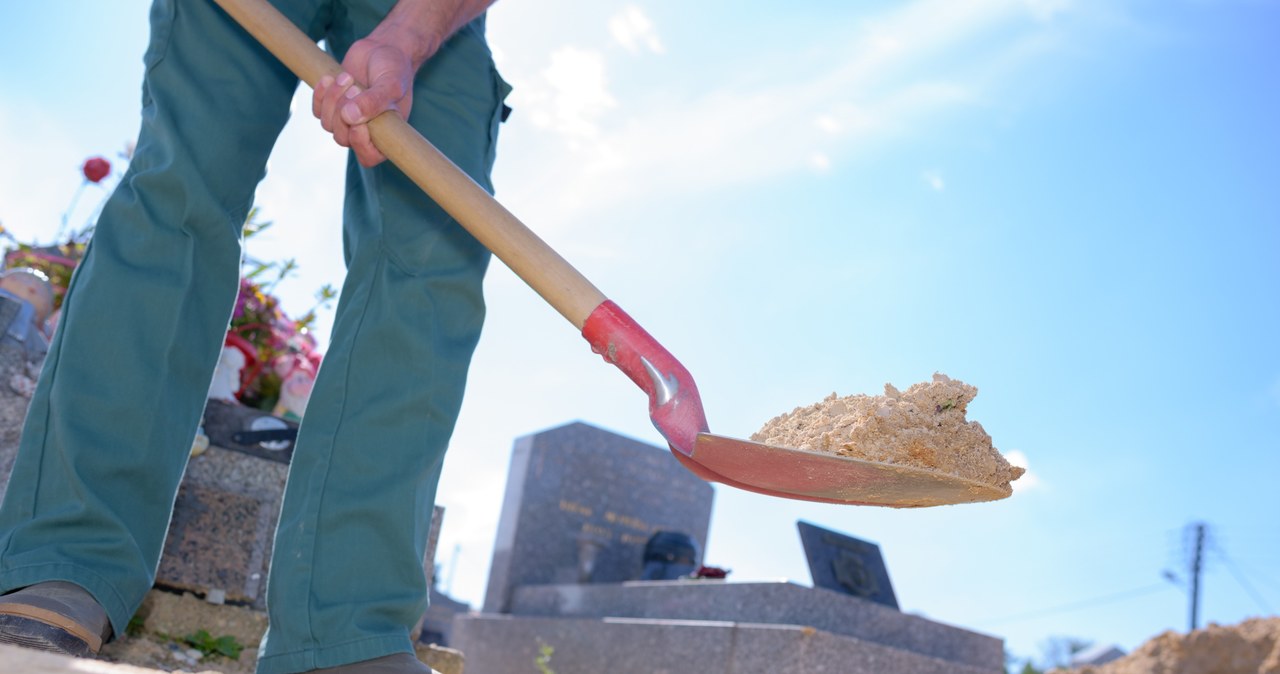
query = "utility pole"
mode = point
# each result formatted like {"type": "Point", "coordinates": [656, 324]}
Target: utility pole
{"type": "Point", "coordinates": [1196, 559]}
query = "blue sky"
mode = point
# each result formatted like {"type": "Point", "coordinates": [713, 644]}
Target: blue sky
{"type": "Point", "coordinates": [1072, 204]}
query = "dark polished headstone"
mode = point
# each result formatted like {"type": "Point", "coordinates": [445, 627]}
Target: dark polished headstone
{"type": "Point", "coordinates": [846, 564]}
{"type": "Point", "coordinates": [580, 505]}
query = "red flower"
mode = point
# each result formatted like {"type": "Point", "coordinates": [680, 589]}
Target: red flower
{"type": "Point", "coordinates": [95, 169]}
{"type": "Point", "coordinates": [710, 572]}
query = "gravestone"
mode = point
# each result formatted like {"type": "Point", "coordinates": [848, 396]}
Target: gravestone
{"type": "Point", "coordinates": [580, 505]}
{"type": "Point", "coordinates": [846, 564]}
{"type": "Point", "coordinates": [224, 522]}
{"type": "Point", "coordinates": [219, 540]}
{"type": "Point", "coordinates": [22, 349]}
{"type": "Point", "coordinates": [224, 519]}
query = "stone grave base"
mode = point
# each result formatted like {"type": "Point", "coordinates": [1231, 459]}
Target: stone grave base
{"type": "Point", "coordinates": [504, 644]}
{"type": "Point", "coordinates": [712, 627]}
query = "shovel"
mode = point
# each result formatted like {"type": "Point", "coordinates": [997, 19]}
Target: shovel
{"type": "Point", "coordinates": [674, 405]}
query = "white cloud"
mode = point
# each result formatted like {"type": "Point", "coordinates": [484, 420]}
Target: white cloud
{"type": "Point", "coordinates": [1029, 480]}
{"type": "Point", "coordinates": [1045, 10]}
{"type": "Point", "coordinates": [42, 175]}
{"type": "Point", "coordinates": [934, 180]}
{"type": "Point", "coordinates": [776, 114]}
{"type": "Point", "coordinates": [632, 29]}
{"type": "Point", "coordinates": [829, 123]}
{"type": "Point", "coordinates": [572, 93]}
{"type": "Point", "coordinates": [820, 162]}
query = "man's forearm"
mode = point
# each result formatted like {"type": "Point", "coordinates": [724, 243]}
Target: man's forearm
{"type": "Point", "coordinates": [419, 27]}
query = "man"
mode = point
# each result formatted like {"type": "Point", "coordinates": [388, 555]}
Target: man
{"type": "Point", "coordinates": [123, 388]}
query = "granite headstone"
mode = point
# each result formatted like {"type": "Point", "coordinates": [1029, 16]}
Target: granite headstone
{"type": "Point", "coordinates": [846, 564]}
{"type": "Point", "coordinates": [222, 526]}
{"type": "Point", "coordinates": [580, 505]}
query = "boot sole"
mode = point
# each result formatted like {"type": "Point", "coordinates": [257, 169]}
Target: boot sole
{"type": "Point", "coordinates": [31, 633]}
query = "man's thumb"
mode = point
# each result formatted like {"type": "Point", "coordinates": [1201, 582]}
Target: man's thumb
{"type": "Point", "coordinates": [351, 114]}
{"type": "Point", "coordinates": [367, 104]}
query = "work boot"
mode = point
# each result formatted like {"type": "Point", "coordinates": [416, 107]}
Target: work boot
{"type": "Point", "coordinates": [55, 616]}
{"type": "Point", "coordinates": [399, 663]}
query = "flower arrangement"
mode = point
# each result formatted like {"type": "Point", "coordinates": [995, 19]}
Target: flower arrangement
{"type": "Point", "coordinates": [280, 356]}
{"type": "Point", "coordinates": [280, 352]}
{"type": "Point", "coordinates": [57, 260]}
{"type": "Point", "coordinates": [709, 573]}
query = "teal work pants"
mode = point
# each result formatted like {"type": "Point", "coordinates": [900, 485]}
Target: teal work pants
{"type": "Point", "coordinates": [110, 426]}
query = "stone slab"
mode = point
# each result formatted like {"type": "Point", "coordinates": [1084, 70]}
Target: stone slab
{"type": "Point", "coordinates": [179, 614]}
{"type": "Point", "coordinates": [580, 504]}
{"type": "Point", "coordinates": [437, 623]}
{"type": "Point", "coordinates": [509, 644]}
{"type": "Point", "coordinates": [429, 567]}
{"type": "Point", "coordinates": [14, 660]}
{"type": "Point", "coordinates": [776, 603]}
{"type": "Point", "coordinates": [442, 660]}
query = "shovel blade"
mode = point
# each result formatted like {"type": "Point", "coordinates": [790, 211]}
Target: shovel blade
{"type": "Point", "coordinates": [829, 478]}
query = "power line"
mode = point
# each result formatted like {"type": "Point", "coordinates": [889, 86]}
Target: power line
{"type": "Point", "coordinates": [1271, 583]}
{"type": "Point", "coordinates": [1239, 576]}
{"type": "Point", "coordinates": [1075, 606]}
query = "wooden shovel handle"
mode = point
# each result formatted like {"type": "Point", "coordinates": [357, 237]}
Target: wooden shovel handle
{"type": "Point", "coordinates": [510, 240]}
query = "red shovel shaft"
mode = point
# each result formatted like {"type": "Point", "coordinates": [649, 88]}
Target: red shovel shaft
{"type": "Point", "coordinates": [675, 408]}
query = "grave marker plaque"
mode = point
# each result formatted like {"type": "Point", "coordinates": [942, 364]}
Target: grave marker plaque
{"type": "Point", "coordinates": [846, 564]}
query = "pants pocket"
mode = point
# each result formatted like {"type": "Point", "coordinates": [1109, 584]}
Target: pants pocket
{"type": "Point", "coordinates": [162, 13]}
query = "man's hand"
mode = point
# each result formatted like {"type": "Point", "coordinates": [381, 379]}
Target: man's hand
{"type": "Point", "coordinates": [378, 71]}
{"type": "Point", "coordinates": [377, 76]}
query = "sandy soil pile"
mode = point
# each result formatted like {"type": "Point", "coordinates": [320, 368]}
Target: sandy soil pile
{"type": "Point", "coordinates": [922, 427]}
{"type": "Point", "coordinates": [1251, 647]}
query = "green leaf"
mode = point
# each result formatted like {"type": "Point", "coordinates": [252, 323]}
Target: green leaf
{"type": "Point", "coordinates": [252, 227]}
{"type": "Point", "coordinates": [259, 270]}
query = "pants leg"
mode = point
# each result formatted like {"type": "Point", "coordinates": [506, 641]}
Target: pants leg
{"type": "Point", "coordinates": [346, 582]}
{"type": "Point", "coordinates": [109, 428]}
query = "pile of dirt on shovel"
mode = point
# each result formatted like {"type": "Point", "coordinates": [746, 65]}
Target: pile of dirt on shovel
{"type": "Point", "coordinates": [922, 427]}
{"type": "Point", "coordinates": [1251, 647]}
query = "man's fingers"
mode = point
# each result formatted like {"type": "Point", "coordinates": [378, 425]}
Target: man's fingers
{"type": "Point", "coordinates": [344, 108]}
{"type": "Point", "coordinates": [361, 107]}
{"type": "Point", "coordinates": [317, 96]}
{"type": "Point", "coordinates": [366, 153]}
{"type": "Point", "coordinates": [329, 96]}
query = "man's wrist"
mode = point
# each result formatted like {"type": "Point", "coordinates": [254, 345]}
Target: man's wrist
{"type": "Point", "coordinates": [414, 40]}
